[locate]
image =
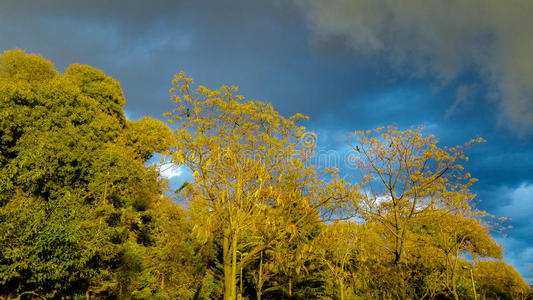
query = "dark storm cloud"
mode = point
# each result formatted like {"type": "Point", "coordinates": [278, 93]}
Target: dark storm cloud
{"type": "Point", "coordinates": [148, 41]}
{"type": "Point", "coordinates": [443, 39]}
{"type": "Point", "coordinates": [263, 47]}
{"type": "Point", "coordinates": [462, 69]}
{"type": "Point", "coordinates": [134, 12]}
{"type": "Point", "coordinates": [113, 40]}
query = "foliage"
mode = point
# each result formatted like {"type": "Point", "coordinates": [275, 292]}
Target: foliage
{"type": "Point", "coordinates": [250, 171]}
{"type": "Point", "coordinates": [75, 194]}
{"type": "Point", "coordinates": [44, 245]}
{"type": "Point", "coordinates": [498, 280]}
{"type": "Point", "coordinates": [82, 216]}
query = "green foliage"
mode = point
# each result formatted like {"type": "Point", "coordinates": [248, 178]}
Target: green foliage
{"type": "Point", "coordinates": [84, 220]}
{"type": "Point", "coordinates": [96, 85]}
{"type": "Point", "coordinates": [45, 244]}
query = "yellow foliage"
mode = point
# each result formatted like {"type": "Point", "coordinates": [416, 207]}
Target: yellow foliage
{"type": "Point", "coordinates": [237, 149]}
{"type": "Point", "coordinates": [406, 175]}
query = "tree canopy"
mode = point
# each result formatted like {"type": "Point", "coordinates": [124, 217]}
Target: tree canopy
{"type": "Point", "coordinates": [84, 215]}
{"type": "Point", "coordinates": [76, 196]}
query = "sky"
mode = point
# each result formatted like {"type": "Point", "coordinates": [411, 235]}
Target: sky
{"type": "Point", "coordinates": [461, 69]}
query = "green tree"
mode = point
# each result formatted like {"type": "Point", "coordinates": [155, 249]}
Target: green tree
{"type": "Point", "coordinates": [45, 244]}
{"type": "Point", "coordinates": [178, 262]}
{"type": "Point", "coordinates": [66, 143]}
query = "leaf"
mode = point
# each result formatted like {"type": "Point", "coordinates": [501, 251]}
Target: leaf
{"type": "Point", "coordinates": [184, 185]}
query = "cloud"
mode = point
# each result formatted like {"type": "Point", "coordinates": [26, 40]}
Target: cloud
{"type": "Point", "coordinates": [520, 203]}
{"type": "Point", "coordinates": [463, 98]}
{"type": "Point", "coordinates": [518, 253]}
{"type": "Point", "coordinates": [335, 72]}
{"type": "Point", "coordinates": [443, 39]}
{"type": "Point", "coordinates": [170, 171]}
{"type": "Point", "coordinates": [142, 44]}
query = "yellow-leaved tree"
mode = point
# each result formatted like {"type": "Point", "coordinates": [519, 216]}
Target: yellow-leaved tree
{"type": "Point", "coordinates": [251, 172]}
{"type": "Point", "coordinates": [455, 237]}
{"type": "Point", "coordinates": [498, 280]}
{"type": "Point", "coordinates": [337, 246]}
{"type": "Point", "coordinates": [406, 174]}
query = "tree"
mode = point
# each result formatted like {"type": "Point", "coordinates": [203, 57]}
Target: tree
{"type": "Point", "coordinates": [292, 263]}
{"type": "Point", "coordinates": [177, 261]}
{"type": "Point", "coordinates": [406, 174]}
{"type": "Point", "coordinates": [456, 237]}
{"type": "Point", "coordinates": [83, 216]}
{"type": "Point", "coordinates": [44, 244]}
{"type": "Point", "coordinates": [498, 280]}
{"type": "Point", "coordinates": [72, 173]}
{"type": "Point", "coordinates": [249, 164]}
{"type": "Point", "coordinates": [338, 245]}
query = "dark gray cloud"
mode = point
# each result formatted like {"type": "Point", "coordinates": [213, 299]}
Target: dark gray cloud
{"type": "Point", "coordinates": [462, 69]}
{"type": "Point", "coordinates": [443, 39]}
{"type": "Point", "coordinates": [148, 42]}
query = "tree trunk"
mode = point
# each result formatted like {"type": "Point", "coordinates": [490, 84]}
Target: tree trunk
{"type": "Point", "coordinates": [230, 264]}
{"type": "Point", "coordinates": [401, 289]}
{"type": "Point", "coordinates": [259, 291]}
{"type": "Point", "coordinates": [290, 287]}
{"type": "Point", "coordinates": [226, 262]}
{"type": "Point", "coordinates": [341, 287]}
{"type": "Point", "coordinates": [234, 265]}
{"type": "Point", "coordinates": [455, 296]}
{"type": "Point", "coordinates": [454, 289]}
